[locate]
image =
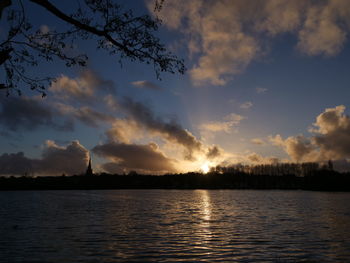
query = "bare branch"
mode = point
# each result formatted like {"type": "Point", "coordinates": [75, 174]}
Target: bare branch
{"type": "Point", "coordinates": [117, 31]}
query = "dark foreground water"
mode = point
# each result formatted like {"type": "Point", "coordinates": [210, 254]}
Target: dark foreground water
{"type": "Point", "coordinates": [174, 225]}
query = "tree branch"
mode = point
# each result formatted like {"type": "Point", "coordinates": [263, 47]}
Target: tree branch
{"type": "Point", "coordinates": [55, 11]}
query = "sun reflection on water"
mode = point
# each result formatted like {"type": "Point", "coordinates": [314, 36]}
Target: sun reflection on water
{"type": "Point", "coordinates": [204, 228]}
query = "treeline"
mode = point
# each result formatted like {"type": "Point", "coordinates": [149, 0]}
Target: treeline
{"type": "Point", "coordinates": [321, 179]}
{"type": "Point", "coordinates": [278, 169]}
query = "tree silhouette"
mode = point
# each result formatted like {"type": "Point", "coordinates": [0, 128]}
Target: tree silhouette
{"type": "Point", "coordinates": [115, 30]}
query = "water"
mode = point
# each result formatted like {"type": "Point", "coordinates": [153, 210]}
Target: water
{"type": "Point", "coordinates": [174, 225]}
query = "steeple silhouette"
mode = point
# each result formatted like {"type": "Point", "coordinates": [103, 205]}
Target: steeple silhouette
{"type": "Point", "coordinates": [89, 169]}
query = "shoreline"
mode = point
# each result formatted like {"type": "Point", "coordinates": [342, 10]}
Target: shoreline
{"type": "Point", "coordinates": [320, 181]}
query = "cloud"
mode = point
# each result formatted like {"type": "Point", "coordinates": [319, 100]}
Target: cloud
{"type": "Point", "coordinates": [226, 125]}
{"type": "Point", "coordinates": [257, 141]}
{"type": "Point", "coordinates": [323, 32]}
{"type": "Point", "coordinates": [144, 84]}
{"type": "Point", "coordinates": [215, 126]}
{"type": "Point", "coordinates": [55, 160]}
{"type": "Point", "coordinates": [15, 164]}
{"type": "Point", "coordinates": [70, 159]}
{"type": "Point", "coordinates": [83, 88]}
{"type": "Point", "coordinates": [170, 131]}
{"type": "Point", "coordinates": [250, 158]}
{"type": "Point", "coordinates": [111, 102]}
{"type": "Point", "coordinates": [297, 147]}
{"type": "Point", "coordinates": [333, 133]}
{"type": "Point", "coordinates": [246, 105]}
{"type": "Point", "coordinates": [140, 121]}
{"type": "Point", "coordinates": [137, 120]}
{"type": "Point", "coordinates": [113, 168]}
{"type": "Point", "coordinates": [279, 16]}
{"type": "Point", "coordinates": [330, 140]}
{"type": "Point", "coordinates": [216, 33]}
{"type": "Point", "coordinates": [260, 90]}
{"type": "Point", "coordinates": [331, 120]}
{"type": "Point", "coordinates": [220, 60]}
{"type": "Point", "coordinates": [228, 35]}
{"type": "Point", "coordinates": [84, 114]}
{"type": "Point", "coordinates": [214, 152]}
{"type": "Point", "coordinates": [30, 113]}
{"type": "Point", "coordinates": [255, 158]}
{"type": "Point", "coordinates": [124, 131]}
{"type": "Point", "coordinates": [141, 158]}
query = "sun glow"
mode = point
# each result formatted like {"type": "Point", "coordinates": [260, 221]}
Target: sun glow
{"type": "Point", "coordinates": [205, 167]}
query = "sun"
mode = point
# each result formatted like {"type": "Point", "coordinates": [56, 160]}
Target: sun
{"type": "Point", "coordinates": [205, 167]}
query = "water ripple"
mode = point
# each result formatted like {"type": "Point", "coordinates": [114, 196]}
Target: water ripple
{"type": "Point", "coordinates": [174, 226]}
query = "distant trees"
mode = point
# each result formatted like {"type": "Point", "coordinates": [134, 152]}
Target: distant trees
{"type": "Point", "coordinates": [279, 169]}
{"type": "Point", "coordinates": [322, 179]}
{"type": "Point", "coordinates": [119, 32]}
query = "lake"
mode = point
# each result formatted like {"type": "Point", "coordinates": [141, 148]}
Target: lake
{"type": "Point", "coordinates": [174, 225]}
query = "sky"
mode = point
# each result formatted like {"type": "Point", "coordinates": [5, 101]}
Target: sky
{"type": "Point", "coordinates": [266, 82]}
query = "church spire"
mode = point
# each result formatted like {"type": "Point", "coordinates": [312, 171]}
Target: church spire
{"type": "Point", "coordinates": [89, 169]}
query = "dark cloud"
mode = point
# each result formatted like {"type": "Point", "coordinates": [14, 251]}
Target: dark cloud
{"type": "Point", "coordinates": [30, 113]}
{"type": "Point", "coordinates": [55, 160]}
{"type": "Point", "coordinates": [144, 84]}
{"type": "Point", "coordinates": [113, 168]}
{"type": "Point", "coordinates": [15, 164]}
{"type": "Point", "coordinates": [213, 152]}
{"type": "Point", "coordinates": [9, 135]}
{"type": "Point", "coordinates": [84, 114]}
{"type": "Point", "coordinates": [142, 158]}
{"type": "Point", "coordinates": [91, 117]}
{"type": "Point", "coordinates": [171, 131]}
{"type": "Point", "coordinates": [71, 159]}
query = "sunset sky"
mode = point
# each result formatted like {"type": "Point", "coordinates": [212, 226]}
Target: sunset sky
{"type": "Point", "coordinates": [266, 81]}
